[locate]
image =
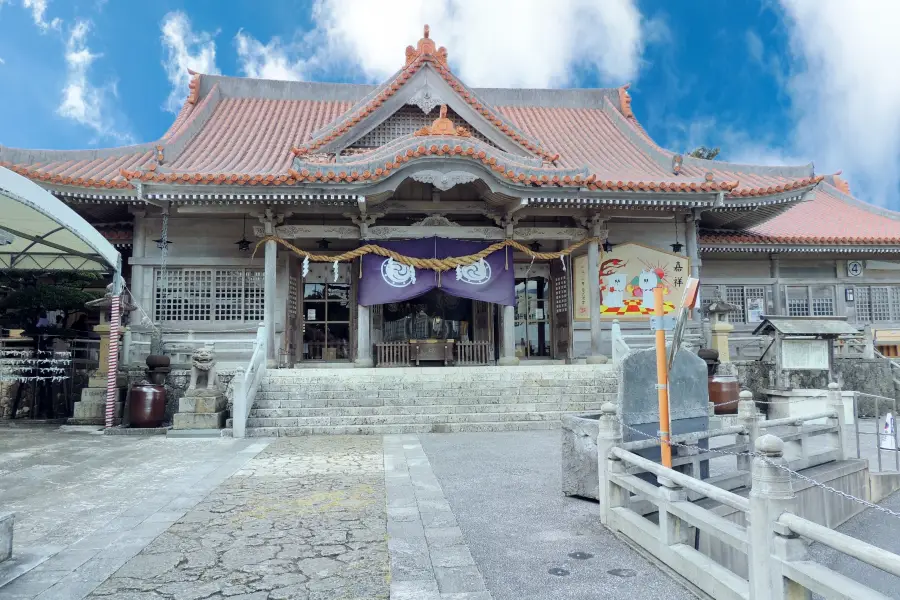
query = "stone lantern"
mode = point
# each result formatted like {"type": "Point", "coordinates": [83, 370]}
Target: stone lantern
{"type": "Point", "coordinates": [721, 328]}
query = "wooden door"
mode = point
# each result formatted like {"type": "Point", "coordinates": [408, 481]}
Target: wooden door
{"type": "Point", "coordinates": [560, 314]}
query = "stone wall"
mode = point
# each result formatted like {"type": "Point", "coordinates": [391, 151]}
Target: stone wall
{"type": "Point", "coordinates": [856, 374]}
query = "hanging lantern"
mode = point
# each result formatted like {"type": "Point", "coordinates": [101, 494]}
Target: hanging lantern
{"type": "Point", "coordinates": [677, 246]}
{"type": "Point", "coordinates": [243, 244]}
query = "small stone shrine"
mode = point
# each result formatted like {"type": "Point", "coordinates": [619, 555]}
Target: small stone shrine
{"type": "Point", "coordinates": [203, 404]}
{"type": "Point", "coordinates": [639, 404]}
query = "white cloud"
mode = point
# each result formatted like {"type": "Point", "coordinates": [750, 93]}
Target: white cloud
{"type": "Point", "coordinates": [38, 10]}
{"type": "Point", "coordinates": [845, 91]}
{"type": "Point", "coordinates": [498, 43]}
{"type": "Point", "coordinates": [185, 49]}
{"type": "Point", "coordinates": [82, 101]}
{"type": "Point", "coordinates": [509, 43]}
{"type": "Point", "coordinates": [268, 61]}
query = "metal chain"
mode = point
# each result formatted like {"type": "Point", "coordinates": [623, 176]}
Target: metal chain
{"type": "Point", "coordinates": [767, 460]}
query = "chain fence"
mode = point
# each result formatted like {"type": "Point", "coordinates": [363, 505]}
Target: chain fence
{"type": "Point", "coordinates": [767, 460]}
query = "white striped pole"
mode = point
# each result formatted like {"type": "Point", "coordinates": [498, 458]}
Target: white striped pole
{"type": "Point", "coordinates": [112, 365]}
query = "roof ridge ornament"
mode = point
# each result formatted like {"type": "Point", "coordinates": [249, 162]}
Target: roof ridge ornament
{"type": "Point", "coordinates": [443, 126]}
{"type": "Point", "coordinates": [426, 47]}
{"type": "Point", "coordinates": [625, 102]}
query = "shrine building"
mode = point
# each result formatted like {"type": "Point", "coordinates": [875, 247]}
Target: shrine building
{"type": "Point", "coordinates": [531, 212]}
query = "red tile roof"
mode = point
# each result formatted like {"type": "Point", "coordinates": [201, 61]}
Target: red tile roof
{"type": "Point", "coordinates": [239, 131]}
{"type": "Point", "coordinates": [831, 217]}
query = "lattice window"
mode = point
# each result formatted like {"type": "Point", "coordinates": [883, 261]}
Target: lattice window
{"type": "Point", "coordinates": [254, 291]}
{"type": "Point", "coordinates": [863, 305]}
{"type": "Point", "coordinates": [823, 301]}
{"type": "Point", "coordinates": [797, 301]}
{"type": "Point", "coordinates": [734, 295]}
{"type": "Point", "coordinates": [405, 122]}
{"type": "Point", "coordinates": [209, 295]}
{"type": "Point", "coordinates": [881, 304]}
{"type": "Point", "coordinates": [895, 303]}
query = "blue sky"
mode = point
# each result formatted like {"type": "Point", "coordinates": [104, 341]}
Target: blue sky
{"type": "Point", "coordinates": [768, 81]}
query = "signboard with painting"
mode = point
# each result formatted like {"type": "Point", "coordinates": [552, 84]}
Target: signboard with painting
{"type": "Point", "coordinates": [622, 294]}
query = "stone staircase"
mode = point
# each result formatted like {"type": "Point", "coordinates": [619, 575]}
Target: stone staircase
{"type": "Point", "coordinates": [294, 402]}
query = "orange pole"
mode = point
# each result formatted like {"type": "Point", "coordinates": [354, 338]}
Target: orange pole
{"type": "Point", "coordinates": [662, 379]}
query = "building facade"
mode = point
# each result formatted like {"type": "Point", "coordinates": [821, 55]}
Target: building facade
{"type": "Point", "coordinates": [235, 216]}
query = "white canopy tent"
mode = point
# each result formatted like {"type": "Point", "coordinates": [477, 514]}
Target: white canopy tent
{"type": "Point", "coordinates": [40, 233]}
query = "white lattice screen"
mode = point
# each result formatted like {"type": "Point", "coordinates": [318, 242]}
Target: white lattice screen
{"type": "Point", "coordinates": [405, 122]}
{"type": "Point", "coordinates": [292, 297]}
{"type": "Point", "coordinates": [209, 295]}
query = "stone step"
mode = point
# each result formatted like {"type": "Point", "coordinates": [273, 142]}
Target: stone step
{"type": "Point", "coordinates": [348, 403]}
{"type": "Point", "coordinates": [421, 419]}
{"type": "Point", "coordinates": [438, 409]}
{"type": "Point", "coordinates": [395, 429]}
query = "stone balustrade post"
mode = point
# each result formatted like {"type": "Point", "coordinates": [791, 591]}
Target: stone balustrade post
{"type": "Point", "coordinates": [749, 420]}
{"type": "Point", "coordinates": [673, 530]}
{"type": "Point", "coordinates": [610, 435]}
{"type": "Point", "coordinates": [770, 496]}
{"type": "Point", "coordinates": [836, 403]}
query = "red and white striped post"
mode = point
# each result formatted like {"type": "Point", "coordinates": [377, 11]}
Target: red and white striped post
{"type": "Point", "coordinates": [112, 364]}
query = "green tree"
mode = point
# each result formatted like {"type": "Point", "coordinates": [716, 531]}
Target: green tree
{"type": "Point", "coordinates": [704, 153]}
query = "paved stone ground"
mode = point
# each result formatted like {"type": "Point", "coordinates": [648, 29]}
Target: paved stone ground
{"type": "Point", "coordinates": [86, 503]}
{"type": "Point", "coordinates": [528, 540]}
{"type": "Point", "coordinates": [429, 556]}
{"type": "Point", "coordinates": [303, 520]}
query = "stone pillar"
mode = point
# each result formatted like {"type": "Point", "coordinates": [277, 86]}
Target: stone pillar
{"type": "Point", "coordinates": [363, 337]}
{"type": "Point", "coordinates": [596, 357]}
{"type": "Point", "coordinates": [720, 332]}
{"type": "Point", "coordinates": [770, 496]}
{"type": "Point", "coordinates": [508, 356]}
{"type": "Point", "coordinates": [269, 299]}
{"type": "Point", "coordinates": [836, 403]}
{"type": "Point", "coordinates": [610, 435]}
{"type": "Point", "coordinates": [140, 286]}
{"type": "Point", "coordinates": [775, 273]}
{"type": "Point", "coordinates": [748, 418]}
{"type": "Point", "coordinates": [91, 408]}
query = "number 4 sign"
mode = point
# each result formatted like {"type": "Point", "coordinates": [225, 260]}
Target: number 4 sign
{"type": "Point", "coordinates": [854, 268]}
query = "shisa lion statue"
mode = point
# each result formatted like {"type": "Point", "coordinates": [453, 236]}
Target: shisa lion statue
{"type": "Point", "coordinates": [203, 370]}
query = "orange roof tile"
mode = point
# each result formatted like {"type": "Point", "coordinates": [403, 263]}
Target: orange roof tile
{"type": "Point", "coordinates": [831, 217]}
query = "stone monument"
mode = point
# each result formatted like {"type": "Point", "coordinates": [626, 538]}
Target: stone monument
{"type": "Point", "coordinates": [91, 409]}
{"type": "Point", "coordinates": [203, 404]}
{"type": "Point", "coordinates": [639, 405]}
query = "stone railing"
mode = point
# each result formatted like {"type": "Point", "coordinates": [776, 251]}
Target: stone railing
{"type": "Point", "coordinates": [625, 341]}
{"type": "Point", "coordinates": [246, 384]}
{"type": "Point", "coordinates": [768, 560]}
{"type": "Point", "coordinates": [230, 347]}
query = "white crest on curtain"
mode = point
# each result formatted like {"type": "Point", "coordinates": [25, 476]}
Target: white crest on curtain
{"type": "Point", "coordinates": [397, 274]}
{"type": "Point", "coordinates": [477, 273]}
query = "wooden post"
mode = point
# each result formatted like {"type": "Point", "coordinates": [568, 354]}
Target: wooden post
{"type": "Point", "coordinates": [269, 299]}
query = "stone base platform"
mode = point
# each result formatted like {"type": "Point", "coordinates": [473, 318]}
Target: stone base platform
{"type": "Point", "coordinates": [295, 402]}
{"type": "Point", "coordinates": [136, 430]}
{"type": "Point", "coordinates": [91, 409]}
{"type": "Point", "coordinates": [200, 409]}
{"type": "Point", "coordinates": [6, 535]}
